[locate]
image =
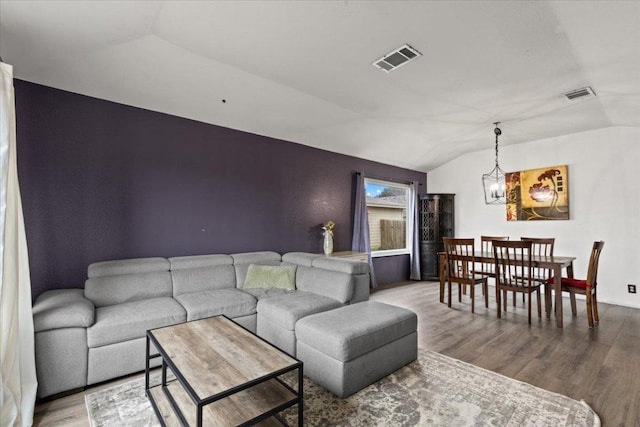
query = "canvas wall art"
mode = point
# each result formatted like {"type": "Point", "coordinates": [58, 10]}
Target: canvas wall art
{"type": "Point", "coordinates": [538, 194]}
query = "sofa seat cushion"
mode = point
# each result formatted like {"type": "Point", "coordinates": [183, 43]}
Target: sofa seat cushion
{"type": "Point", "coordinates": [354, 330]}
{"type": "Point", "coordinates": [230, 302]}
{"type": "Point", "coordinates": [285, 310]}
{"type": "Point", "coordinates": [131, 320]}
{"type": "Point", "coordinates": [260, 293]}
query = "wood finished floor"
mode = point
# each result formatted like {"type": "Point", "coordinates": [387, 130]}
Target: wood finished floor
{"type": "Point", "coordinates": [600, 365]}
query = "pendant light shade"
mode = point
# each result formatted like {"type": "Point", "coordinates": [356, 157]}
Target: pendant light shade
{"type": "Point", "coordinates": [494, 182]}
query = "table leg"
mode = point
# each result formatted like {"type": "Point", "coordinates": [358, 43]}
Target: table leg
{"type": "Point", "coordinates": [547, 300]}
{"type": "Point", "coordinates": [443, 272]}
{"type": "Point", "coordinates": [146, 369]}
{"type": "Point", "coordinates": [301, 397]}
{"type": "Point", "coordinates": [557, 288]}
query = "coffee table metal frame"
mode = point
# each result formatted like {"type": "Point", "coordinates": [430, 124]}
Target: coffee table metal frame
{"type": "Point", "coordinates": [202, 402]}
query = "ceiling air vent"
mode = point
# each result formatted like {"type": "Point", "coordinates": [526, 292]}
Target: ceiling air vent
{"type": "Point", "coordinates": [580, 94]}
{"type": "Point", "coordinates": [397, 58]}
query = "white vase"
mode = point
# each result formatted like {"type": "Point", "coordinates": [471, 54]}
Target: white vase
{"type": "Point", "coordinates": [328, 243]}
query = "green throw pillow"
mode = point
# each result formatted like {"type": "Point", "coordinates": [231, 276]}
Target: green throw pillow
{"type": "Point", "coordinates": [271, 276]}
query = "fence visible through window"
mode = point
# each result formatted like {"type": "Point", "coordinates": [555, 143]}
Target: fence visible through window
{"type": "Point", "coordinates": [393, 234]}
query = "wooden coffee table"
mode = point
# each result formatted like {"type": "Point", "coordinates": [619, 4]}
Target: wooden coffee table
{"type": "Point", "coordinates": [225, 375]}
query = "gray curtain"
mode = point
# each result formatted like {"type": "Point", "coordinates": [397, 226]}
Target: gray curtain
{"type": "Point", "coordinates": [361, 242]}
{"type": "Point", "coordinates": [414, 228]}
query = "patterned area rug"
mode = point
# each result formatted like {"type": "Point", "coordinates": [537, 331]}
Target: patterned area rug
{"type": "Point", "coordinates": [435, 390]}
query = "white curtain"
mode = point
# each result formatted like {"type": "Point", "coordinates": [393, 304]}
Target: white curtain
{"type": "Point", "coordinates": [17, 358]}
{"type": "Point", "coordinates": [413, 225]}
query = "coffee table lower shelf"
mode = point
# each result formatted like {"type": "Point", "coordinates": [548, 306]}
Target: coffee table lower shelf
{"type": "Point", "coordinates": [268, 398]}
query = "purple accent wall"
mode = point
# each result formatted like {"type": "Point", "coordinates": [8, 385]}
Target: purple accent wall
{"type": "Point", "coordinates": [101, 181]}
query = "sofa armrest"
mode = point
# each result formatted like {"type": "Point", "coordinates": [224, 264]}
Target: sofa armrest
{"type": "Point", "coordinates": [342, 265]}
{"type": "Point", "coordinates": [62, 308]}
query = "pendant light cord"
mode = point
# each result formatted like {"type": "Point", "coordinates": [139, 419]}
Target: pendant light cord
{"type": "Point", "coordinates": [498, 132]}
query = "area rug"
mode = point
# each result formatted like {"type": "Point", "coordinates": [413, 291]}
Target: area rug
{"type": "Point", "coordinates": [434, 390]}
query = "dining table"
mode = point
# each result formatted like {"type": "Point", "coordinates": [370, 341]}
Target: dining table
{"type": "Point", "coordinates": [554, 263]}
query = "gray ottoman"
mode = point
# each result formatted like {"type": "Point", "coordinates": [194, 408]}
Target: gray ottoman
{"type": "Point", "coordinates": [348, 348]}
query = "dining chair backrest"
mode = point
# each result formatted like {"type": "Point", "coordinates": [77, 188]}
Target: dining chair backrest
{"type": "Point", "coordinates": [594, 259]}
{"type": "Point", "coordinates": [486, 246]}
{"type": "Point", "coordinates": [513, 267]}
{"type": "Point", "coordinates": [460, 258]}
{"type": "Point", "coordinates": [486, 242]}
{"type": "Point", "coordinates": [541, 246]}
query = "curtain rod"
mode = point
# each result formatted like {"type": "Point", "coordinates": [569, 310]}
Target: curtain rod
{"type": "Point", "coordinates": [397, 181]}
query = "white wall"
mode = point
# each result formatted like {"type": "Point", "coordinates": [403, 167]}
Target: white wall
{"type": "Point", "coordinates": [604, 201]}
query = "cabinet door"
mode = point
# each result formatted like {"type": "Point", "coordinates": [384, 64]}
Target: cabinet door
{"type": "Point", "coordinates": [428, 220]}
{"type": "Point", "coordinates": [429, 260]}
{"type": "Point", "coordinates": [436, 222]}
{"type": "Point", "coordinates": [446, 217]}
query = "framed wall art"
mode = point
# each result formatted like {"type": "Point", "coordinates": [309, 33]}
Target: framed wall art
{"type": "Point", "coordinates": [538, 194]}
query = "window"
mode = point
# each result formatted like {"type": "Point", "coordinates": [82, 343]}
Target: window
{"type": "Point", "coordinates": [387, 204]}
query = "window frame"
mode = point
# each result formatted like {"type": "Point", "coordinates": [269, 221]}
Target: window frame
{"type": "Point", "coordinates": [391, 252]}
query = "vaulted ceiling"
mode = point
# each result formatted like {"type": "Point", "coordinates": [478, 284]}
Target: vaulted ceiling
{"type": "Point", "coordinates": [301, 70]}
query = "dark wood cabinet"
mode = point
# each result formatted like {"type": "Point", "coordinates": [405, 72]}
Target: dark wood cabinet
{"type": "Point", "coordinates": [436, 221]}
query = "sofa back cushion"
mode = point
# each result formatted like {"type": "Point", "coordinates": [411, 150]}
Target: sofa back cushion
{"type": "Point", "coordinates": [242, 262]}
{"type": "Point", "coordinates": [300, 258]}
{"type": "Point", "coordinates": [332, 284]}
{"type": "Point", "coordinates": [202, 273]}
{"type": "Point", "coordinates": [127, 266]}
{"type": "Point", "coordinates": [117, 282]}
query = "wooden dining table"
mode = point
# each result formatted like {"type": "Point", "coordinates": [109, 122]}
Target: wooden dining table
{"type": "Point", "coordinates": [554, 263]}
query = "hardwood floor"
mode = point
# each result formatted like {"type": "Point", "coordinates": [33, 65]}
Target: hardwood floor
{"type": "Point", "coordinates": [600, 365]}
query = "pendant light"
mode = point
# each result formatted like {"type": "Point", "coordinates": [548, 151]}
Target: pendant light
{"type": "Point", "coordinates": [493, 182]}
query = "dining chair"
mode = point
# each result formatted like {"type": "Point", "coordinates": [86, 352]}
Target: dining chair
{"type": "Point", "coordinates": [541, 246]}
{"type": "Point", "coordinates": [460, 260]}
{"type": "Point", "coordinates": [486, 245]}
{"type": "Point", "coordinates": [513, 269]}
{"type": "Point", "coordinates": [586, 287]}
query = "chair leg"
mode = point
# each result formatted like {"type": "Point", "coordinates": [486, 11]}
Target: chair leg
{"type": "Point", "coordinates": [514, 299]}
{"type": "Point", "coordinates": [572, 297]}
{"type": "Point", "coordinates": [461, 288]}
{"type": "Point", "coordinates": [498, 302]}
{"type": "Point", "coordinates": [589, 310]}
{"type": "Point", "coordinates": [449, 297]}
{"type": "Point", "coordinates": [485, 291]}
{"type": "Point", "coordinates": [529, 307]}
{"type": "Point", "coordinates": [539, 302]}
{"type": "Point", "coordinates": [594, 301]}
{"type": "Point", "coordinates": [473, 298]}
{"type": "Point", "coordinates": [504, 297]}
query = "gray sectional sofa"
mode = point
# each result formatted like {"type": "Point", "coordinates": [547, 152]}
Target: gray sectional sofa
{"type": "Point", "coordinates": [86, 336]}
